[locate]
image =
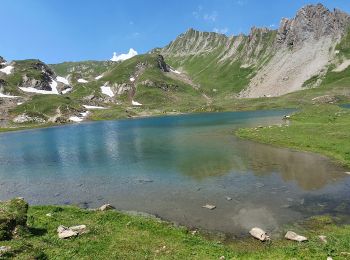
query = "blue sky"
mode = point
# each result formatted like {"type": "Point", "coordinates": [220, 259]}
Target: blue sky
{"type": "Point", "coordinates": [72, 30]}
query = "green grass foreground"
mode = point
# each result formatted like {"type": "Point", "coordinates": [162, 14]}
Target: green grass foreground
{"type": "Point", "coordinates": [321, 128]}
{"type": "Point", "coordinates": [114, 235]}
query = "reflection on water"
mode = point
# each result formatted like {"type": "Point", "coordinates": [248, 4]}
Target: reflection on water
{"type": "Point", "coordinates": [171, 166]}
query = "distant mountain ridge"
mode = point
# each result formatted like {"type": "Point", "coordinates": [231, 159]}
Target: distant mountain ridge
{"type": "Point", "coordinates": [280, 61]}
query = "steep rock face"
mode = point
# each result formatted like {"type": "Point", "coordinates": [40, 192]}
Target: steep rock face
{"type": "Point", "coordinates": [276, 61]}
{"type": "Point", "coordinates": [312, 22]}
{"type": "Point", "coordinates": [304, 48]}
{"type": "Point", "coordinates": [225, 48]}
{"type": "Point", "coordinates": [2, 62]}
{"type": "Point", "coordinates": [161, 64]}
{"type": "Point", "coordinates": [40, 77]}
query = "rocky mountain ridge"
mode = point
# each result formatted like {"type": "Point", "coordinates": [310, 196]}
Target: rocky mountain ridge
{"type": "Point", "coordinates": [280, 61]}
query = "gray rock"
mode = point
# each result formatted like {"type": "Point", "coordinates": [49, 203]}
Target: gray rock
{"type": "Point", "coordinates": [65, 232]}
{"type": "Point", "coordinates": [81, 229]}
{"type": "Point", "coordinates": [295, 237]}
{"type": "Point", "coordinates": [106, 207]}
{"type": "Point", "coordinates": [209, 206]}
{"type": "Point", "coordinates": [311, 23]}
{"type": "Point", "coordinates": [4, 249]}
{"type": "Point", "coordinates": [260, 234]}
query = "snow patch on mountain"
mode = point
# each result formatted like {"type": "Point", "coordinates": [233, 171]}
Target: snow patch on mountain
{"type": "Point", "coordinates": [53, 90]}
{"type": "Point", "coordinates": [7, 96]}
{"type": "Point", "coordinates": [107, 91]}
{"type": "Point", "coordinates": [124, 56]}
{"type": "Point", "coordinates": [135, 103]}
{"type": "Point", "coordinates": [98, 77]}
{"type": "Point", "coordinates": [62, 80]}
{"type": "Point", "coordinates": [93, 107]}
{"type": "Point", "coordinates": [82, 81]}
{"type": "Point", "coordinates": [7, 70]}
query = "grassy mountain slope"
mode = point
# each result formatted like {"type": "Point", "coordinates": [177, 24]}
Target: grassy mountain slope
{"type": "Point", "coordinates": [215, 61]}
{"type": "Point", "coordinates": [83, 69]}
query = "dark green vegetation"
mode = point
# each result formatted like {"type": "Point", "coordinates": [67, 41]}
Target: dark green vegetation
{"type": "Point", "coordinates": [344, 46]}
{"type": "Point", "coordinates": [321, 128]}
{"type": "Point", "coordinates": [13, 218]}
{"type": "Point", "coordinates": [114, 235]}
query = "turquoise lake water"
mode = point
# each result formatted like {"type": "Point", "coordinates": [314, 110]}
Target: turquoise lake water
{"type": "Point", "coordinates": [171, 167]}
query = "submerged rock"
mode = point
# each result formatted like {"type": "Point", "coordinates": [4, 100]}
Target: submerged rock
{"type": "Point", "coordinates": [295, 237]}
{"type": "Point", "coordinates": [260, 234]}
{"type": "Point", "coordinates": [208, 206]}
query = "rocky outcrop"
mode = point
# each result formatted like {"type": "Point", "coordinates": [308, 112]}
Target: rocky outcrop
{"type": "Point", "coordinates": [312, 22]}
{"type": "Point", "coordinates": [161, 64]}
{"type": "Point", "coordinates": [36, 75]}
{"type": "Point", "coordinates": [2, 62]}
{"type": "Point", "coordinates": [13, 218]}
{"type": "Point", "coordinates": [159, 84]}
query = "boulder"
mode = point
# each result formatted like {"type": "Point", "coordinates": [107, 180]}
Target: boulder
{"type": "Point", "coordinates": [106, 207]}
{"type": "Point", "coordinates": [4, 249]}
{"type": "Point", "coordinates": [260, 234]}
{"type": "Point", "coordinates": [68, 232]}
{"type": "Point", "coordinates": [13, 218]}
{"type": "Point", "coordinates": [295, 237]}
{"type": "Point", "coordinates": [326, 99]}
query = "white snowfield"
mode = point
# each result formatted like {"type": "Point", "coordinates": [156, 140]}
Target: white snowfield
{"type": "Point", "coordinates": [175, 71]}
{"type": "Point", "coordinates": [62, 80]}
{"type": "Point", "coordinates": [107, 91]}
{"type": "Point", "coordinates": [93, 107]}
{"type": "Point", "coordinates": [7, 96]}
{"type": "Point", "coordinates": [76, 119]}
{"type": "Point", "coordinates": [67, 90]}
{"type": "Point", "coordinates": [82, 81]}
{"type": "Point", "coordinates": [123, 57]}
{"type": "Point", "coordinates": [53, 91]}
{"type": "Point", "coordinates": [79, 118]}
{"type": "Point", "coordinates": [135, 103]}
{"type": "Point", "coordinates": [7, 70]}
{"type": "Point", "coordinates": [98, 77]}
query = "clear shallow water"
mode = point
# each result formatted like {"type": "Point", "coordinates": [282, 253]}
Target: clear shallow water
{"type": "Point", "coordinates": [171, 167]}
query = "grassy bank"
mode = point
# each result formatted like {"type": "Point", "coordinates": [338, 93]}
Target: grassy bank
{"type": "Point", "coordinates": [113, 235]}
{"type": "Point", "coordinates": [321, 128]}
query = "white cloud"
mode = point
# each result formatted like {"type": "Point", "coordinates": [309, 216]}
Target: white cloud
{"type": "Point", "coordinates": [206, 16]}
{"type": "Point", "coordinates": [211, 17]}
{"type": "Point", "coordinates": [197, 12]}
{"type": "Point", "coordinates": [221, 30]}
{"type": "Point", "coordinates": [272, 25]}
{"type": "Point", "coordinates": [125, 56]}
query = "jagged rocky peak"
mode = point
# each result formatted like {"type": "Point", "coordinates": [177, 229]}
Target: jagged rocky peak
{"type": "Point", "coordinates": [2, 60]}
{"type": "Point", "coordinates": [194, 42]}
{"type": "Point", "coordinates": [312, 22]}
{"type": "Point", "coordinates": [161, 64]}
